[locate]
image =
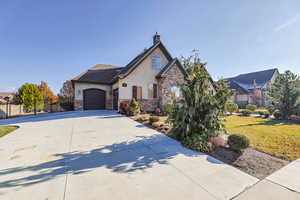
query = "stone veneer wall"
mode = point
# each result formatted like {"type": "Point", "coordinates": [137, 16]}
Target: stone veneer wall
{"type": "Point", "coordinates": [147, 105]}
{"type": "Point", "coordinates": [173, 77]}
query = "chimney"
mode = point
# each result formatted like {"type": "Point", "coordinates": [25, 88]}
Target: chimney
{"type": "Point", "coordinates": [156, 38]}
{"type": "Point", "coordinates": [254, 83]}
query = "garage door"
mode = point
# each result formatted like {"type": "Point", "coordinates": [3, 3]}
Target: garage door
{"type": "Point", "coordinates": [94, 99]}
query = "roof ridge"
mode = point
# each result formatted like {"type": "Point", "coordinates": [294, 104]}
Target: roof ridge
{"type": "Point", "coordinates": [256, 72]}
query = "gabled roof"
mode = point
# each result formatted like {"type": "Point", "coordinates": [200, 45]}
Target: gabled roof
{"type": "Point", "coordinates": [102, 76]}
{"type": "Point", "coordinates": [108, 74]}
{"type": "Point", "coordinates": [141, 57]}
{"type": "Point", "coordinates": [166, 68]}
{"type": "Point", "coordinates": [244, 82]}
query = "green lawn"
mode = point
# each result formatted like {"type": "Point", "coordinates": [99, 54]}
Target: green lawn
{"type": "Point", "coordinates": [275, 137]}
{"type": "Point", "coordinates": [6, 129]}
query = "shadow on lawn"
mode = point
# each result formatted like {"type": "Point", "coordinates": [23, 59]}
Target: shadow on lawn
{"type": "Point", "coordinates": [122, 157]}
{"type": "Point", "coordinates": [271, 123]}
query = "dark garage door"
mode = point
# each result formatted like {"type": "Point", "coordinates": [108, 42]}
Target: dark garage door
{"type": "Point", "coordinates": [93, 99]}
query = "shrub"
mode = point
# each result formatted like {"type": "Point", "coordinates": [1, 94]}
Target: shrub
{"type": "Point", "coordinates": [196, 142]}
{"type": "Point", "coordinates": [157, 111]}
{"type": "Point", "coordinates": [124, 107]}
{"type": "Point", "coordinates": [266, 114]}
{"type": "Point", "coordinates": [271, 109]}
{"type": "Point", "coordinates": [232, 107]}
{"type": "Point", "coordinates": [251, 107]}
{"type": "Point", "coordinates": [153, 119]}
{"type": "Point", "coordinates": [142, 119]}
{"type": "Point", "coordinates": [277, 114]}
{"type": "Point", "coordinates": [134, 108]}
{"type": "Point", "coordinates": [238, 142]}
{"type": "Point", "coordinates": [246, 112]}
{"type": "Point", "coordinates": [168, 108]}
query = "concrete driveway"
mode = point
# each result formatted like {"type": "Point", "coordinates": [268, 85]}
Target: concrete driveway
{"type": "Point", "coordinates": [103, 155]}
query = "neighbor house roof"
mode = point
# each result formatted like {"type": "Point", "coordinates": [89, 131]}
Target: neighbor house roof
{"type": "Point", "coordinates": [243, 83]}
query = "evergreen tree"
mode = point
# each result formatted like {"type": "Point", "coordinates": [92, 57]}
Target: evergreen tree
{"type": "Point", "coordinates": [197, 116]}
{"type": "Point", "coordinates": [285, 94]}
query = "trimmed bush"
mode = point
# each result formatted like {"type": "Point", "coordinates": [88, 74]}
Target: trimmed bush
{"type": "Point", "coordinates": [277, 114]}
{"type": "Point", "coordinates": [232, 107]}
{"type": "Point", "coordinates": [124, 107]}
{"type": "Point", "coordinates": [251, 107]}
{"type": "Point", "coordinates": [168, 108]}
{"type": "Point", "coordinates": [238, 142]}
{"type": "Point", "coordinates": [134, 108]}
{"type": "Point", "coordinates": [196, 142]}
{"type": "Point", "coordinates": [266, 114]}
{"type": "Point", "coordinates": [271, 109]}
{"type": "Point", "coordinates": [142, 119]}
{"type": "Point", "coordinates": [246, 112]}
{"type": "Point", "coordinates": [153, 119]}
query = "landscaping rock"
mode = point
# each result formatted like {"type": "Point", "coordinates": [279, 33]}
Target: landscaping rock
{"type": "Point", "coordinates": [157, 124]}
{"type": "Point", "coordinates": [219, 141]}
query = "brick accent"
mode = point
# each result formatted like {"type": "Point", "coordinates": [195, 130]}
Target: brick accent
{"type": "Point", "coordinates": [149, 105]}
{"type": "Point", "coordinates": [173, 77]}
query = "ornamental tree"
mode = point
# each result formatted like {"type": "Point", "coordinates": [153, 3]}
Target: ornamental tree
{"type": "Point", "coordinates": [198, 115]}
{"type": "Point", "coordinates": [30, 96]}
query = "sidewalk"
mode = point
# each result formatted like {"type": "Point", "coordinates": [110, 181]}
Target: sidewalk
{"type": "Point", "coordinates": [283, 184]}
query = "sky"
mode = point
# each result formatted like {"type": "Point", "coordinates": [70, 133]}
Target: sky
{"type": "Point", "coordinates": [55, 40]}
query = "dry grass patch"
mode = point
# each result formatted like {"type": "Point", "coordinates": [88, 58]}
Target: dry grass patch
{"type": "Point", "coordinates": [278, 138]}
{"type": "Point", "coordinates": [6, 129]}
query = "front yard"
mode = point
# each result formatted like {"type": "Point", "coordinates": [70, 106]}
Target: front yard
{"type": "Point", "coordinates": [278, 138]}
{"type": "Point", "coordinates": [6, 129]}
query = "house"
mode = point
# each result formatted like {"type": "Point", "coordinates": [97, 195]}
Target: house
{"type": "Point", "coordinates": [152, 78]}
{"type": "Point", "coordinates": [5, 95]}
{"type": "Point", "coordinates": [252, 88]}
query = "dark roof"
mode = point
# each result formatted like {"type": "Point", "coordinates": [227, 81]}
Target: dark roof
{"type": "Point", "coordinates": [110, 75]}
{"type": "Point", "coordinates": [169, 65]}
{"type": "Point", "coordinates": [235, 86]}
{"type": "Point", "coordinates": [244, 82]}
{"type": "Point", "coordinates": [103, 76]}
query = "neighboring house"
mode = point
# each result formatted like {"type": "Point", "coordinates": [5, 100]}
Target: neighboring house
{"type": "Point", "coordinates": [3, 95]}
{"type": "Point", "coordinates": [252, 88]}
{"type": "Point", "coordinates": [152, 78]}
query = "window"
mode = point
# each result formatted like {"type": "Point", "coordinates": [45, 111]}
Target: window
{"type": "Point", "coordinates": [156, 61]}
{"type": "Point", "coordinates": [137, 92]}
{"type": "Point", "coordinates": [175, 92]}
{"type": "Point", "coordinates": [154, 91]}
{"type": "Point", "coordinates": [150, 91]}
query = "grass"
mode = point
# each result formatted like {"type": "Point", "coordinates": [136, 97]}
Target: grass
{"type": "Point", "coordinates": [278, 138]}
{"type": "Point", "coordinates": [6, 129]}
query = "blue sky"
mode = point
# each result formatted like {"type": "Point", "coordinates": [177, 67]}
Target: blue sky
{"type": "Point", "coordinates": [58, 39]}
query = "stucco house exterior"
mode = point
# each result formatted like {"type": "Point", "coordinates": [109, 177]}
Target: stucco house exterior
{"type": "Point", "coordinates": [152, 78]}
{"type": "Point", "coordinates": [252, 88]}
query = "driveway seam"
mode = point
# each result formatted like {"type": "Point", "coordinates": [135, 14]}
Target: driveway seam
{"type": "Point", "coordinates": [182, 173]}
{"type": "Point", "coordinates": [282, 186]}
{"type": "Point", "coordinates": [68, 150]}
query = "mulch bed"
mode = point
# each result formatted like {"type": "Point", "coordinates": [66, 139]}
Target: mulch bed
{"type": "Point", "coordinates": [253, 162]}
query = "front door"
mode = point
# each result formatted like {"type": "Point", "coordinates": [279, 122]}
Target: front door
{"type": "Point", "coordinates": [115, 98]}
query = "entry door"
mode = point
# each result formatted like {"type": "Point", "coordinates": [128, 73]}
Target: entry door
{"type": "Point", "coordinates": [115, 98]}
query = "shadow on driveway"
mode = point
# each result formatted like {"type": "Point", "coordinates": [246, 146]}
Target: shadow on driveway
{"type": "Point", "coordinates": [122, 157]}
